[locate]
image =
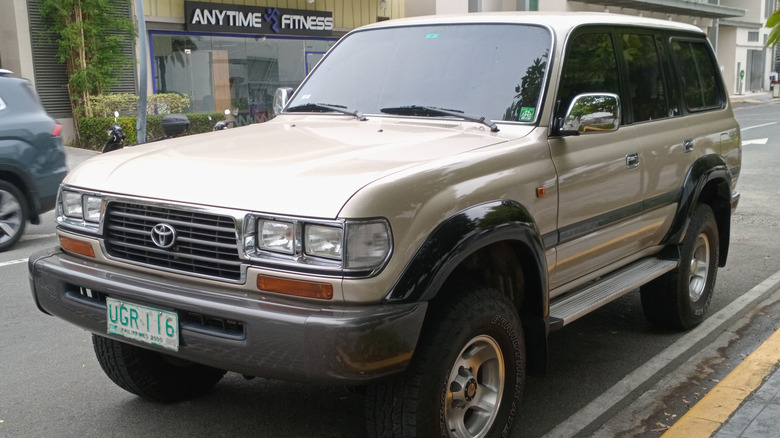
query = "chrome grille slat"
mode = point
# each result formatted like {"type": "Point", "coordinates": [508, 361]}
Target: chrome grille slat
{"type": "Point", "coordinates": [206, 244]}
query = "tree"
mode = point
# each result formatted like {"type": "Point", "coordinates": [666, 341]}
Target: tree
{"type": "Point", "coordinates": [89, 36]}
{"type": "Point", "coordinates": [774, 22]}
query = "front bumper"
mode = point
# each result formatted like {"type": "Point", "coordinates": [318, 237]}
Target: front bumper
{"type": "Point", "coordinates": [255, 335]}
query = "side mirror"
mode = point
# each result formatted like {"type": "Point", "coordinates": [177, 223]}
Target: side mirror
{"type": "Point", "coordinates": [281, 96]}
{"type": "Point", "coordinates": [591, 113]}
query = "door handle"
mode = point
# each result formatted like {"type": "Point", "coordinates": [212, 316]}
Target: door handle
{"type": "Point", "coordinates": [632, 160]}
{"type": "Point", "coordinates": [688, 145]}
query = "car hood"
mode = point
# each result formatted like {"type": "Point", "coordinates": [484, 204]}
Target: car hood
{"type": "Point", "coordinates": [302, 165]}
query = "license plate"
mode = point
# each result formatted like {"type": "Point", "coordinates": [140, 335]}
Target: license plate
{"type": "Point", "coordinates": [141, 323]}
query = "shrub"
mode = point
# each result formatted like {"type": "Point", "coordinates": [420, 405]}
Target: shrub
{"type": "Point", "coordinates": [94, 130]}
{"type": "Point", "coordinates": [104, 105]}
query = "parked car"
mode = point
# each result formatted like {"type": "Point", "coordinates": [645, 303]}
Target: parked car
{"type": "Point", "coordinates": [32, 159]}
{"type": "Point", "coordinates": [436, 197]}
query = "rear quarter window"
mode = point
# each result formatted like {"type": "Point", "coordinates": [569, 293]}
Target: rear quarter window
{"type": "Point", "coordinates": [698, 73]}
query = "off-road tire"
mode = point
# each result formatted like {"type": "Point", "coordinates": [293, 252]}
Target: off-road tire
{"type": "Point", "coordinates": [680, 298]}
{"type": "Point", "coordinates": [153, 375]}
{"type": "Point", "coordinates": [13, 215]}
{"type": "Point", "coordinates": [422, 401]}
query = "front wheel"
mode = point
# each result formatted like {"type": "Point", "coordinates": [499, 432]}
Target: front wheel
{"type": "Point", "coordinates": [466, 378]}
{"type": "Point", "coordinates": [153, 375]}
{"type": "Point", "coordinates": [680, 298]}
{"type": "Point", "coordinates": [13, 215]}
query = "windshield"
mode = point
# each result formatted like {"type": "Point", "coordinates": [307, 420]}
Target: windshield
{"type": "Point", "coordinates": [495, 71]}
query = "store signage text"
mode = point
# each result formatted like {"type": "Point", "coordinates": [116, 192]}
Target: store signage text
{"type": "Point", "coordinates": [218, 17]}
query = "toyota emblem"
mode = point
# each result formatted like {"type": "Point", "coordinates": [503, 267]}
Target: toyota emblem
{"type": "Point", "coordinates": [163, 235]}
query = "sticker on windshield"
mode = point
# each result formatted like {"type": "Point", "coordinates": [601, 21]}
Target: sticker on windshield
{"type": "Point", "coordinates": [526, 114]}
{"type": "Point", "coordinates": [432, 35]}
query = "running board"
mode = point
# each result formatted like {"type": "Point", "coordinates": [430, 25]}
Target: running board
{"type": "Point", "coordinates": [579, 303]}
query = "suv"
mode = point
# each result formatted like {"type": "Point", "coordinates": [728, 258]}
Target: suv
{"type": "Point", "coordinates": [32, 160]}
{"type": "Point", "coordinates": [436, 196]}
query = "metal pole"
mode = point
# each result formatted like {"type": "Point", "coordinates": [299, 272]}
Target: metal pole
{"type": "Point", "coordinates": [140, 125]}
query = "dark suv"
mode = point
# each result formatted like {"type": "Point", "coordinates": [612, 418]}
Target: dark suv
{"type": "Point", "coordinates": [32, 160]}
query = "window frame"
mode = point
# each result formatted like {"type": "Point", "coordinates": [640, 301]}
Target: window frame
{"type": "Point", "coordinates": [677, 69]}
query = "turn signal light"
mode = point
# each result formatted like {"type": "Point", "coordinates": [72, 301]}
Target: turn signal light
{"type": "Point", "coordinates": [308, 289]}
{"type": "Point", "coordinates": [77, 246]}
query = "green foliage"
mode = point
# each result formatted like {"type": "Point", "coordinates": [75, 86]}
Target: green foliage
{"type": "Point", "coordinates": [774, 35]}
{"type": "Point", "coordinates": [89, 35]}
{"type": "Point", "coordinates": [104, 105]}
{"type": "Point", "coordinates": [94, 130]}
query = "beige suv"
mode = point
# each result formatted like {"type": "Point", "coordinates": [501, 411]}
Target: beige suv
{"type": "Point", "coordinates": [437, 196]}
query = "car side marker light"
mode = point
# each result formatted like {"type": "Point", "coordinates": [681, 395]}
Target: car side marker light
{"type": "Point", "coordinates": [77, 246]}
{"type": "Point", "coordinates": [308, 289]}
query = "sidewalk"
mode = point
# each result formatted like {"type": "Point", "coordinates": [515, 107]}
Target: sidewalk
{"type": "Point", "coordinates": [751, 97]}
{"type": "Point", "coordinates": [745, 404]}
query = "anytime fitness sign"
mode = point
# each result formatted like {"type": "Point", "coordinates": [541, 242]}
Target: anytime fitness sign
{"type": "Point", "coordinates": [218, 17]}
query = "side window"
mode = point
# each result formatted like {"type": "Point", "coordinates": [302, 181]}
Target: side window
{"type": "Point", "coordinates": [646, 86]}
{"type": "Point", "coordinates": [699, 75]}
{"type": "Point", "coordinates": [589, 67]}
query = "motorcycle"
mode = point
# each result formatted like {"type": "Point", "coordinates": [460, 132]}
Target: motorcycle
{"type": "Point", "coordinates": [173, 125]}
{"type": "Point", "coordinates": [223, 124]}
{"type": "Point", "coordinates": [116, 136]}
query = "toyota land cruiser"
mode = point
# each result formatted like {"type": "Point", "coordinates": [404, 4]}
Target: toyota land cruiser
{"type": "Point", "coordinates": [435, 197]}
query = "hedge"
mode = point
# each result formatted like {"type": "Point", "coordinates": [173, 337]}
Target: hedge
{"type": "Point", "coordinates": [94, 130]}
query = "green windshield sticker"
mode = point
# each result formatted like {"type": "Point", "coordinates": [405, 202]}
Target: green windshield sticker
{"type": "Point", "coordinates": [432, 35]}
{"type": "Point", "coordinates": [526, 114]}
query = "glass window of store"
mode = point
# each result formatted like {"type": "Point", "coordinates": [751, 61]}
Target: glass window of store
{"type": "Point", "coordinates": [239, 73]}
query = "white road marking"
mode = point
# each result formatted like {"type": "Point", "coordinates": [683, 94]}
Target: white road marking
{"type": "Point", "coordinates": [12, 262]}
{"type": "Point", "coordinates": [756, 141]}
{"type": "Point", "coordinates": [757, 126]}
{"type": "Point", "coordinates": [37, 236]}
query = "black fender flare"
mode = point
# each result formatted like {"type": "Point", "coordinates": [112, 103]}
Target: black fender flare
{"type": "Point", "coordinates": [707, 169]}
{"type": "Point", "coordinates": [460, 236]}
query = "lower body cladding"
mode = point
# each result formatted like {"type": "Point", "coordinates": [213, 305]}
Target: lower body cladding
{"type": "Point", "coordinates": [254, 335]}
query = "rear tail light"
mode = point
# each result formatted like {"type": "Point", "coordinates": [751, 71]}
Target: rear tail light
{"type": "Point", "coordinates": [57, 130]}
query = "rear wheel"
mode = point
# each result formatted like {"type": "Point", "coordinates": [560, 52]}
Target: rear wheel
{"type": "Point", "coordinates": [153, 375]}
{"type": "Point", "coordinates": [680, 298]}
{"type": "Point", "coordinates": [466, 378]}
{"type": "Point", "coordinates": [13, 215]}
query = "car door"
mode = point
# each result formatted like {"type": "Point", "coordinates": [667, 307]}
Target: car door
{"type": "Point", "coordinates": [599, 181]}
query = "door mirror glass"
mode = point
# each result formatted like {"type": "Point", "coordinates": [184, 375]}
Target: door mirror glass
{"type": "Point", "coordinates": [281, 97]}
{"type": "Point", "coordinates": [591, 113]}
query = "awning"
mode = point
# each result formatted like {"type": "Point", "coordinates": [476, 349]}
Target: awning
{"type": "Point", "coordinates": [680, 7]}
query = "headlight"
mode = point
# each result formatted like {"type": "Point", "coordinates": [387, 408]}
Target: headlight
{"type": "Point", "coordinates": [368, 244]}
{"type": "Point", "coordinates": [71, 205]}
{"type": "Point", "coordinates": [276, 236]}
{"type": "Point", "coordinates": [323, 241]}
{"type": "Point", "coordinates": [80, 209]}
{"type": "Point", "coordinates": [92, 207]}
{"type": "Point", "coordinates": [358, 246]}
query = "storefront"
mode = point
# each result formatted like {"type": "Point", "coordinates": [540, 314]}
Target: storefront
{"type": "Point", "coordinates": [234, 56]}
{"type": "Point", "coordinates": [226, 56]}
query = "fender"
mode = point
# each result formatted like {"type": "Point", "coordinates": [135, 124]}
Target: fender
{"type": "Point", "coordinates": [460, 236]}
{"type": "Point", "coordinates": [703, 171]}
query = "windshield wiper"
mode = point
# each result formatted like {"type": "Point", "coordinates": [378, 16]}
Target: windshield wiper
{"type": "Point", "coordinates": [427, 111]}
{"type": "Point", "coordinates": [327, 107]}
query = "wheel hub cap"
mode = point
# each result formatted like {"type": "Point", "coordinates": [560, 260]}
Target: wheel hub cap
{"type": "Point", "coordinates": [475, 388]}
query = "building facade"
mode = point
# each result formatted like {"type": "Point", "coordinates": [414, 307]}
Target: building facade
{"type": "Point", "coordinates": [233, 54]}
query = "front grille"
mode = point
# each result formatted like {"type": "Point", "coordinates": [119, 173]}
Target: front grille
{"type": "Point", "coordinates": [206, 244]}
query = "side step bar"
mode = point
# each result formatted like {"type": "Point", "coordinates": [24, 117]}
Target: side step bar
{"type": "Point", "coordinates": [579, 303]}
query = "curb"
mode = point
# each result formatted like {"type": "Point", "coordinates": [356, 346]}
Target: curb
{"type": "Point", "coordinates": [715, 409]}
